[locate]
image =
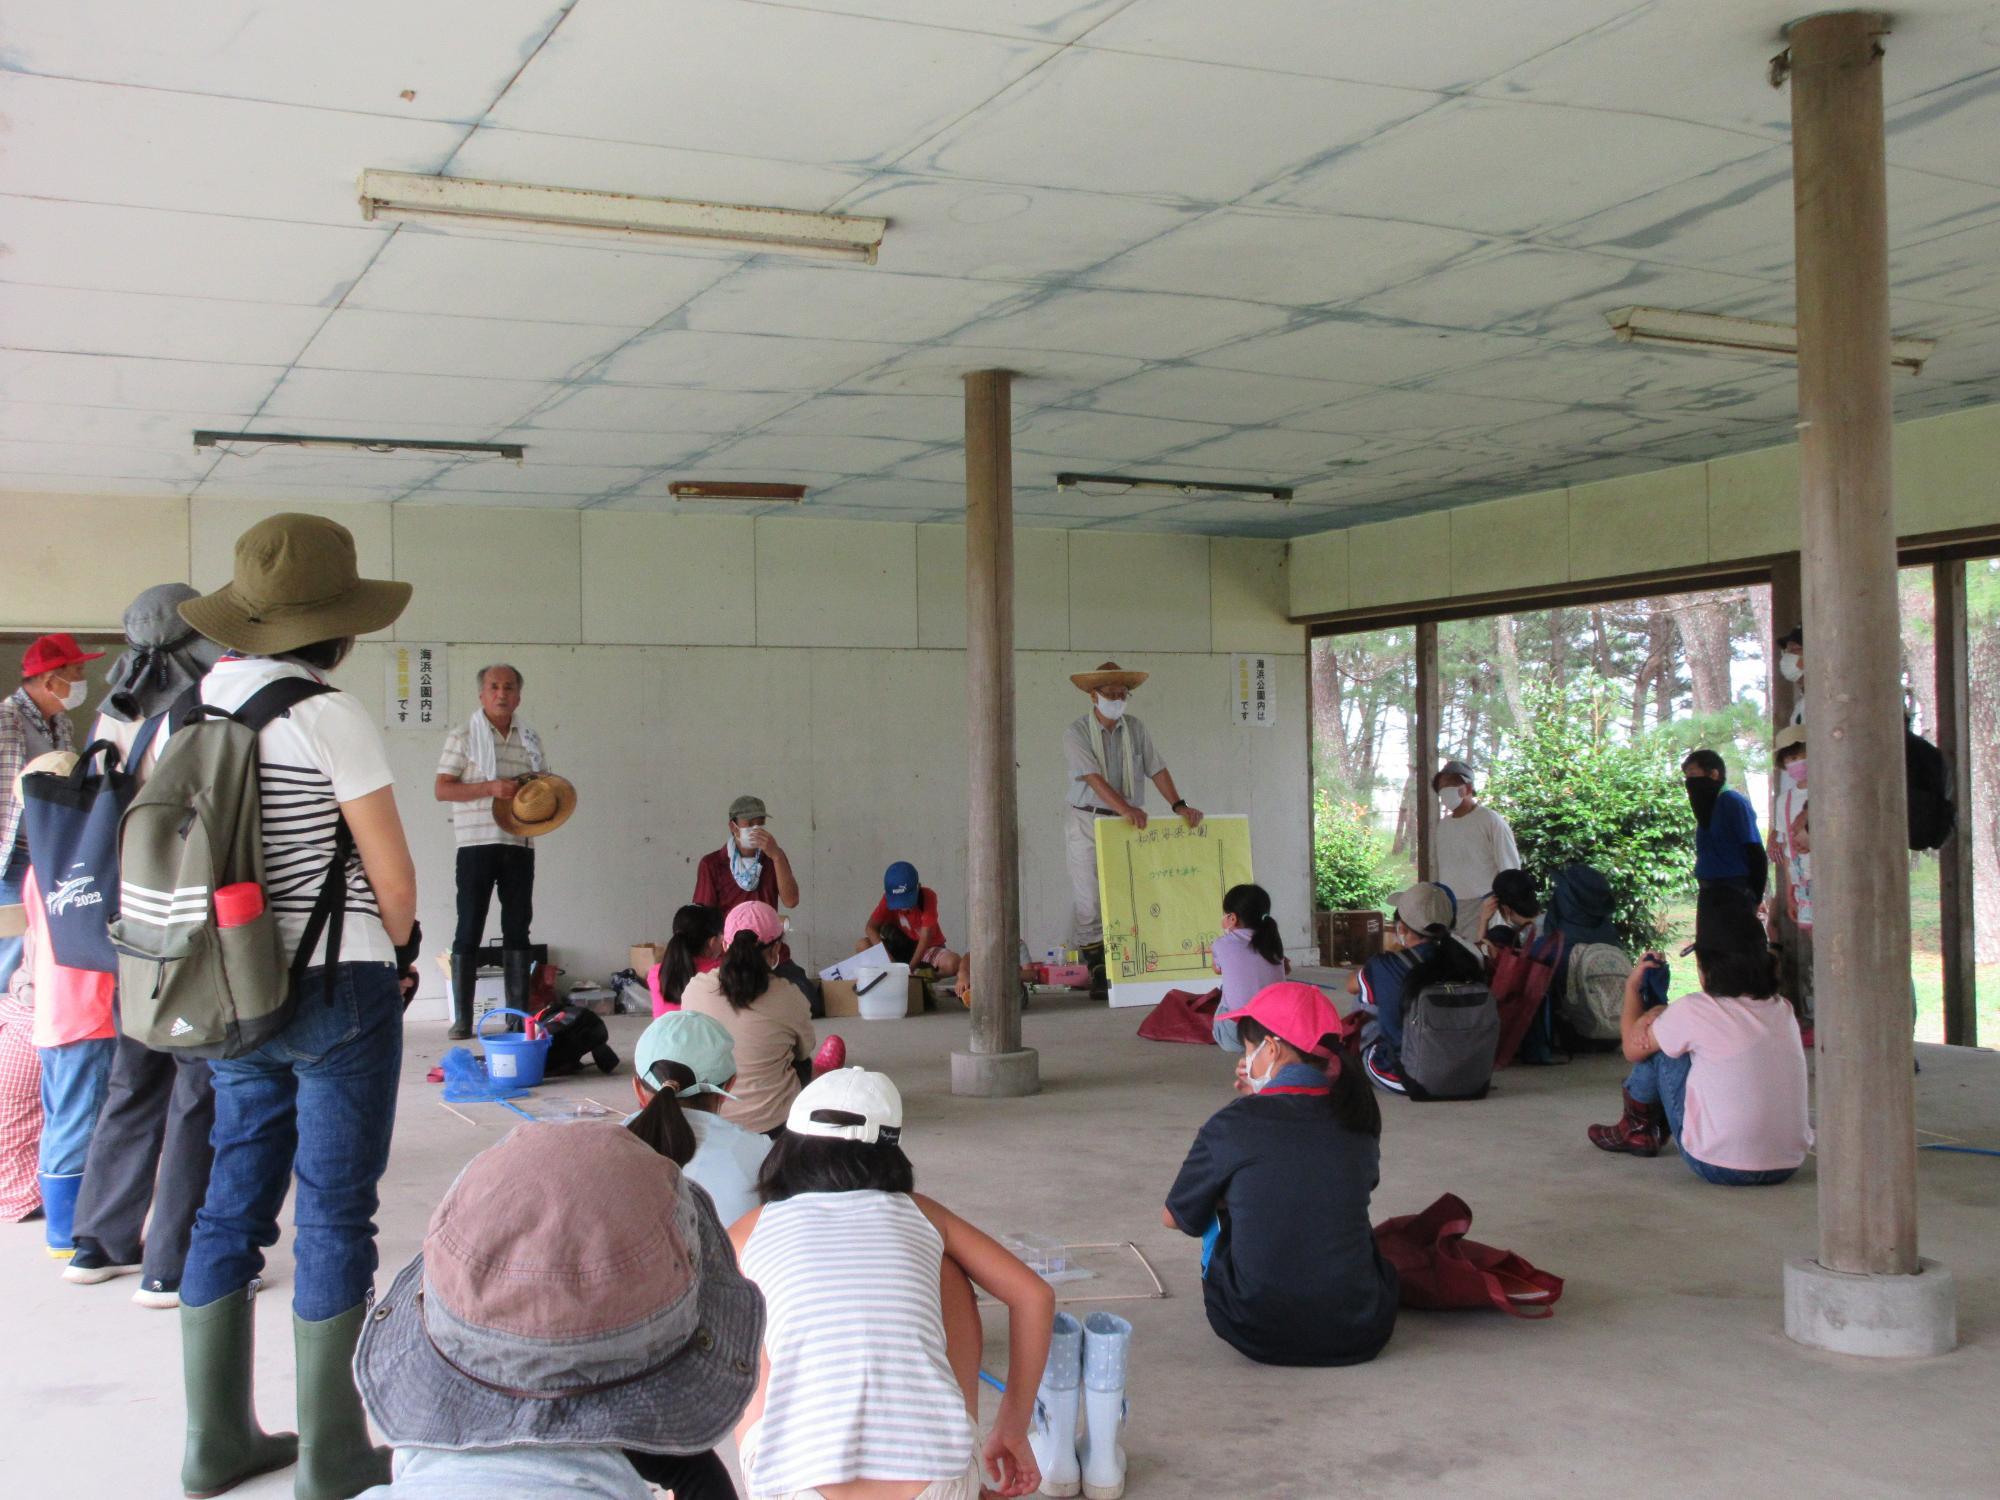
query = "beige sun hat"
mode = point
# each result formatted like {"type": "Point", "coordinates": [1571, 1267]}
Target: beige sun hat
{"type": "Point", "coordinates": [1108, 674]}
{"type": "Point", "coordinates": [51, 762]}
{"type": "Point", "coordinates": [296, 583]}
{"type": "Point", "coordinates": [542, 805]}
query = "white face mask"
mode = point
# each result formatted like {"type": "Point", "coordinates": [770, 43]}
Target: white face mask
{"type": "Point", "coordinates": [73, 695]}
{"type": "Point", "coordinates": [1258, 1085]}
{"type": "Point", "coordinates": [1451, 796]}
{"type": "Point", "coordinates": [1789, 668]}
{"type": "Point", "coordinates": [1112, 709]}
{"type": "Point", "coordinates": [743, 839]}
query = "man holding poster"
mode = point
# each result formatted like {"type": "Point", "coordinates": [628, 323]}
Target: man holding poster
{"type": "Point", "coordinates": [1110, 757]}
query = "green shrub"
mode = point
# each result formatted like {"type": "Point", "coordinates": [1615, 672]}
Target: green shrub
{"type": "Point", "coordinates": [1574, 795]}
{"type": "Point", "coordinates": [1348, 857]}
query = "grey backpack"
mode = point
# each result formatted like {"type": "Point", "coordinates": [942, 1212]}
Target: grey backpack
{"type": "Point", "coordinates": [1593, 992]}
{"type": "Point", "coordinates": [1450, 1035]}
{"type": "Point", "coordinates": [187, 985]}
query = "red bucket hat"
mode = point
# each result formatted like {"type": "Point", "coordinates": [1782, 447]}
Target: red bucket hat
{"type": "Point", "coordinates": [49, 652]}
{"type": "Point", "coordinates": [1296, 1013]}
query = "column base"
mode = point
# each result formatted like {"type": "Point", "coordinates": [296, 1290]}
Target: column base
{"type": "Point", "coordinates": [996, 1075]}
{"type": "Point", "coordinates": [1879, 1317]}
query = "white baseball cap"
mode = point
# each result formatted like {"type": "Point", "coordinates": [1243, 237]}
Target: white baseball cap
{"type": "Point", "coordinates": [851, 1104]}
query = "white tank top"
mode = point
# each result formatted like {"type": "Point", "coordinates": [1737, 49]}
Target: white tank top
{"type": "Point", "coordinates": [860, 1387]}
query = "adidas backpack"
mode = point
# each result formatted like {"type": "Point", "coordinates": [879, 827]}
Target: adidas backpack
{"type": "Point", "coordinates": [187, 985]}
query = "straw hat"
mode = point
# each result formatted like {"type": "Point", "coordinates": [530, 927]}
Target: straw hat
{"type": "Point", "coordinates": [542, 805]}
{"type": "Point", "coordinates": [1108, 674]}
{"type": "Point", "coordinates": [296, 583]}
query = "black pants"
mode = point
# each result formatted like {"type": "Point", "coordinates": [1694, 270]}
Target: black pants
{"type": "Point", "coordinates": [155, 1123]}
{"type": "Point", "coordinates": [808, 986]}
{"type": "Point", "coordinates": [482, 867]}
{"type": "Point", "coordinates": [693, 1476]}
{"type": "Point", "coordinates": [1732, 888]}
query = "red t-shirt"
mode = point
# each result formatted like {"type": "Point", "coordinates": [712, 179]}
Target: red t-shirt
{"type": "Point", "coordinates": [920, 921]}
{"type": "Point", "coordinates": [715, 885]}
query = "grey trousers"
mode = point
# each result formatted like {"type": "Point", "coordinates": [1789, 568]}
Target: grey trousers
{"type": "Point", "coordinates": [1086, 917]}
{"type": "Point", "coordinates": [151, 1148]}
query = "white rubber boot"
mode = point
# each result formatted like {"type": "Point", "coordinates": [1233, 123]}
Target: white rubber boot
{"type": "Point", "coordinates": [1106, 1341]}
{"type": "Point", "coordinates": [1052, 1434]}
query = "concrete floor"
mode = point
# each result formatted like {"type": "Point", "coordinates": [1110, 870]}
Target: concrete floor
{"type": "Point", "coordinates": [1665, 1371]}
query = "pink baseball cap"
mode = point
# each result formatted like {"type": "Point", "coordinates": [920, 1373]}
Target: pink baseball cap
{"type": "Point", "coordinates": [1296, 1013]}
{"type": "Point", "coordinates": [753, 916]}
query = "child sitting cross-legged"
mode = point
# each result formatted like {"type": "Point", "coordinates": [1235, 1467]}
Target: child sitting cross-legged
{"type": "Point", "coordinates": [1277, 1185]}
{"type": "Point", "coordinates": [684, 1065]}
{"type": "Point", "coordinates": [1722, 1070]}
{"type": "Point", "coordinates": [871, 1357]}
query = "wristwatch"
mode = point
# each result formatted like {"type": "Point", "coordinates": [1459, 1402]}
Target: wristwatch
{"type": "Point", "coordinates": [1180, 806]}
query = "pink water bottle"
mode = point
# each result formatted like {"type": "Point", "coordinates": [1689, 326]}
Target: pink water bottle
{"type": "Point", "coordinates": [238, 904]}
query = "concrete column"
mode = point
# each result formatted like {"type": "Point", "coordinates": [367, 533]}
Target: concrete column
{"type": "Point", "coordinates": [1867, 1293]}
{"type": "Point", "coordinates": [1954, 738]}
{"type": "Point", "coordinates": [997, 1065]}
{"type": "Point", "coordinates": [1424, 747]}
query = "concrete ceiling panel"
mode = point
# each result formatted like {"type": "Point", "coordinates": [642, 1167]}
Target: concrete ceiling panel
{"type": "Point", "coordinates": [842, 302]}
{"type": "Point", "coordinates": [492, 348]}
{"type": "Point", "coordinates": [1140, 325]}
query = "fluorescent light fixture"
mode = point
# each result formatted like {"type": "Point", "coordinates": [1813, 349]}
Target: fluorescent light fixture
{"type": "Point", "coordinates": [703, 489]}
{"type": "Point", "coordinates": [466, 202]}
{"type": "Point", "coordinates": [1125, 482]}
{"type": "Point", "coordinates": [252, 442]}
{"type": "Point", "coordinates": [1659, 325]}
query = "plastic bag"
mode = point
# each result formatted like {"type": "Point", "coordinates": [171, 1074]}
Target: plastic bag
{"type": "Point", "coordinates": [466, 1080]}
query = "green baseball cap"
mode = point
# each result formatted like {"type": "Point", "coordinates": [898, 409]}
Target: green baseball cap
{"type": "Point", "coordinates": [745, 808]}
{"type": "Point", "coordinates": [698, 1043]}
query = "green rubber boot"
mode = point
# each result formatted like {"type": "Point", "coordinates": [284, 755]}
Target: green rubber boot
{"type": "Point", "coordinates": [337, 1460]}
{"type": "Point", "coordinates": [225, 1446]}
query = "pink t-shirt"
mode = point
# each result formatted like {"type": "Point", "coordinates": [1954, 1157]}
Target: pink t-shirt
{"type": "Point", "coordinates": [71, 1005]}
{"type": "Point", "coordinates": [1746, 1093]}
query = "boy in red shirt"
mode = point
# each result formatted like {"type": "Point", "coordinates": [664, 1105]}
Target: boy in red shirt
{"type": "Point", "coordinates": [913, 907]}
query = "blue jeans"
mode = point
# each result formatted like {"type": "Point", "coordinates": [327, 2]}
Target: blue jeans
{"type": "Point", "coordinates": [1225, 1036]}
{"type": "Point", "coordinates": [1663, 1080]}
{"type": "Point", "coordinates": [13, 873]}
{"type": "Point", "coordinates": [74, 1077]}
{"type": "Point", "coordinates": [318, 1100]}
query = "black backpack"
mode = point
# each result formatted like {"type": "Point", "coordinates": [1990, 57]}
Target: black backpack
{"type": "Point", "coordinates": [1928, 779]}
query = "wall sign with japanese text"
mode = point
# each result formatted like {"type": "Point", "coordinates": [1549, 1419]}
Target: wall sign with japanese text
{"type": "Point", "coordinates": [1253, 696]}
{"type": "Point", "coordinates": [414, 696]}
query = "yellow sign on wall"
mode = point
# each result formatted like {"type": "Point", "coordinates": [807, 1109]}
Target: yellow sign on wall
{"type": "Point", "coordinates": [1161, 889]}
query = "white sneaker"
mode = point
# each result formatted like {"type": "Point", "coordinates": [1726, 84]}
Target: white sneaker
{"type": "Point", "coordinates": [154, 1292]}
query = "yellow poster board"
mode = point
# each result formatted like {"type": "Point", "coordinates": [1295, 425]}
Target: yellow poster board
{"type": "Point", "coordinates": [1161, 890]}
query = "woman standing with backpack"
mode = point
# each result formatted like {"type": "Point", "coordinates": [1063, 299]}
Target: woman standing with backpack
{"type": "Point", "coordinates": [318, 1097]}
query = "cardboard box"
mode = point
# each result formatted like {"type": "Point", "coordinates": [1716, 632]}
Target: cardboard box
{"type": "Point", "coordinates": [841, 1000]}
{"type": "Point", "coordinates": [1347, 938]}
{"type": "Point", "coordinates": [645, 955]}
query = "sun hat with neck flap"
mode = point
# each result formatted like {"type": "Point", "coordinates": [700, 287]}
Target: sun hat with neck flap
{"type": "Point", "coordinates": [296, 583]}
{"type": "Point", "coordinates": [524, 1322]}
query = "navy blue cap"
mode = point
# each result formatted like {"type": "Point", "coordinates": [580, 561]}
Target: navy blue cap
{"type": "Point", "coordinates": [899, 884]}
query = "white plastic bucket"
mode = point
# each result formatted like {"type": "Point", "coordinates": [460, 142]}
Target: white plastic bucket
{"type": "Point", "coordinates": [883, 994]}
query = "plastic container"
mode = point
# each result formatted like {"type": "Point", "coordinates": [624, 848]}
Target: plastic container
{"type": "Point", "coordinates": [1043, 1254]}
{"type": "Point", "coordinates": [513, 1059]}
{"type": "Point", "coordinates": [883, 994]}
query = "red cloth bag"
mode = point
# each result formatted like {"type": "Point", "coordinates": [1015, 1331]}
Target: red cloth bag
{"type": "Point", "coordinates": [1441, 1268]}
{"type": "Point", "coordinates": [1520, 983]}
{"type": "Point", "coordinates": [1182, 1016]}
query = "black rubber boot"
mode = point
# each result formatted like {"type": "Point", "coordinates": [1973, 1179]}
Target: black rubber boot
{"type": "Point", "coordinates": [518, 965]}
{"type": "Point", "coordinates": [464, 980]}
{"type": "Point", "coordinates": [225, 1446]}
{"type": "Point", "coordinates": [1100, 982]}
{"type": "Point", "coordinates": [337, 1460]}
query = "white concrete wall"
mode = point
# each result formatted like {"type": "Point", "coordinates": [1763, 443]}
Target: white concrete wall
{"type": "Point", "coordinates": [675, 661]}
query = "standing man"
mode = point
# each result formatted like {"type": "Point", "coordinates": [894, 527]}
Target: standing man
{"type": "Point", "coordinates": [34, 720]}
{"type": "Point", "coordinates": [1728, 851]}
{"type": "Point", "coordinates": [1110, 757]}
{"type": "Point", "coordinates": [1474, 844]}
{"type": "Point", "coordinates": [486, 760]}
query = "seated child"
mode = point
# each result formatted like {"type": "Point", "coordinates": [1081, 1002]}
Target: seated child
{"type": "Point", "coordinates": [694, 947]}
{"type": "Point", "coordinates": [1512, 916]}
{"type": "Point", "coordinates": [685, 1063]}
{"type": "Point", "coordinates": [1721, 1070]}
{"type": "Point", "coordinates": [1249, 955]}
{"type": "Point", "coordinates": [1276, 1186]}
{"type": "Point", "coordinates": [1422, 950]}
{"type": "Point", "coordinates": [912, 906]}
{"type": "Point", "coordinates": [871, 1355]}
{"type": "Point", "coordinates": [633, 1354]}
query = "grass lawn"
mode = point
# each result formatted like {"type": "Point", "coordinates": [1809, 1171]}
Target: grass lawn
{"type": "Point", "coordinates": [1926, 961]}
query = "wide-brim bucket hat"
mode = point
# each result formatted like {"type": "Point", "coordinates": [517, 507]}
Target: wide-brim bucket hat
{"type": "Point", "coordinates": [296, 582]}
{"type": "Point", "coordinates": [526, 1323]}
{"type": "Point", "coordinates": [541, 805]}
{"type": "Point", "coordinates": [1108, 674]}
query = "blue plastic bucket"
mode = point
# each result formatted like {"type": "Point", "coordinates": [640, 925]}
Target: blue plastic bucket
{"type": "Point", "coordinates": [511, 1058]}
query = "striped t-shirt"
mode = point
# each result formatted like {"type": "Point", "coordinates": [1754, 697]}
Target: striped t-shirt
{"type": "Point", "coordinates": [322, 753]}
{"type": "Point", "coordinates": [860, 1387]}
